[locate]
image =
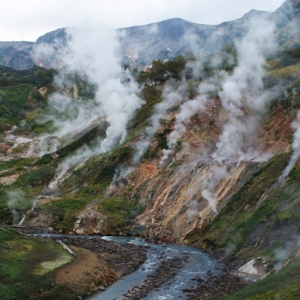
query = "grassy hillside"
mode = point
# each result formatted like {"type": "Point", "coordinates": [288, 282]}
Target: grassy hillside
{"type": "Point", "coordinates": [19, 94]}
{"type": "Point", "coordinates": [283, 284]}
{"type": "Point", "coordinates": [27, 265]}
{"type": "Point", "coordinates": [257, 215]}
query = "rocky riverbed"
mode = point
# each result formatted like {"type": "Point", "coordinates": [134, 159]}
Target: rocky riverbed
{"type": "Point", "coordinates": [125, 258]}
{"type": "Point", "coordinates": [167, 270]}
{"type": "Point", "coordinates": [217, 286]}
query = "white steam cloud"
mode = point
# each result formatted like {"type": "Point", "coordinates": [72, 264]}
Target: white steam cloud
{"type": "Point", "coordinates": [243, 95]}
{"type": "Point", "coordinates": [286, 252]}
{"type": "Point", "coordinates": [187, 110]}
{"type": "Point", "coordinates": [171, 98]}
{"type": "Point", "coordinates": [93, 54]}
{"type": "Point", "coordinates": [14, 199]}
{"type": "Point", "coordinates": [244, 99]}
{"type": "Point", "coordinates": [214, 176]}
{"type": "Point", "coordinates": [295, 146]}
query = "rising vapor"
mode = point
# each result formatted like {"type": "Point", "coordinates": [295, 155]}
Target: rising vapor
{"type": "Point", "coordinates": [93, 54]}
{"type": "Point", "coordinates": [295, 146]}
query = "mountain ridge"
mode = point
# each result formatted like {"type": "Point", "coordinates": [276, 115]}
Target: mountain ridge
{"type": "Point", "coordinates": [170, 34]}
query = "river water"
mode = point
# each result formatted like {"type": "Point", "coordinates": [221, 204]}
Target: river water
{"type": "Point", "coordinates": [198, 264]}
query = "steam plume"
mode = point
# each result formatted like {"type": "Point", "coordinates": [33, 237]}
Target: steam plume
{"type": "Point", "coordinates": [243, 95]}
{"type": "Point", "coordinates": [14, 199]}
{"type": "Point", "coordinates": [92, 54]}
{"type": "Point", "coordinates": [295, 146]}
{"type": "Point", "coordinates": [171, 97]}
{"type": "Point", "coordinates": [244, 99]}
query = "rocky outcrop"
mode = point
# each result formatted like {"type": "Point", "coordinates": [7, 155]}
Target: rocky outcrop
{"type": "Point", "coordinates": [90, 221]}
{"type": "Point", "coordinates": [259, 266]}
{"type": "Point", "coordinates": [174, 202]}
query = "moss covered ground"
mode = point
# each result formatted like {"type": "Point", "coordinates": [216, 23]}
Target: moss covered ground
{"type": "Point", "coordinates": [27, 264]}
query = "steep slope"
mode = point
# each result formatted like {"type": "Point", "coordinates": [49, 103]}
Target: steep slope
{"type": "Point", "coordinates": [205, 151]}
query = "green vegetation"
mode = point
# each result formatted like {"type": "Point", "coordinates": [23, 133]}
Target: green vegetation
{"type": "Point", "coordinates": [12, 101]}
{"type": "Point", "coordinates": [162, 143]}
{"type": "Point", "coordinates": [89, 181]}
{"type": "Point", "coordinates": [17, 195]}
{"type": "Point", "coordinates": [45, 77]}
{"type": "Point", "coordinates": [82, 138]}
{"type": "Point", "coordinates": [160, 72]}
{"type": "Point", "coordinates": [10, 76]}
{"type": "Point", "coordinates": [19, 95]}
{"type": "Point", "coordinates": [238, 219]}
{"type": "Point", "coordinates": [289, 57]}
{"type": "Point", "coordinates": [6, 216]}
{"type": "Point", "coordinates": [17, 164]}
{"type": "Point", "coordinates": [21, 267]}
{"type": "Point", "coordinates": [151, 95]}
{"type": "Point", "coordinates": [283, 284]}
{"type": "Point", "coordinates": [63, 212]}
{"type": "Point", "coordinates": [120, 213]}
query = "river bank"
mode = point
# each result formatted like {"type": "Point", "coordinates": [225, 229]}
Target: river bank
{"type": "Point", "coordinates": [225, 283]}
{"type": "Point", "coordinates": [125, 259]}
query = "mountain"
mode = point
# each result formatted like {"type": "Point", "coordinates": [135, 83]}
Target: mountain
{"type": "Point", "coordinates": [200, 150]}
{"type": "Point", "coordinates": [167, 39]}
{"type": "Point", "coordinates": [16, 55]}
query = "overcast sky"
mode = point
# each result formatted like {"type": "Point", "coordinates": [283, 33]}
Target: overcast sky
{"type": "Point", "coordinates": [28, 19]}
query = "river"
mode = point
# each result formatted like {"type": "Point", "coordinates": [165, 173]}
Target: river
{"type": "Point", "coordinates": [197, 265]}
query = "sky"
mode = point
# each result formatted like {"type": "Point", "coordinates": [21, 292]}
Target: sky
{"type": "Point", "coordinates": [27, 20]}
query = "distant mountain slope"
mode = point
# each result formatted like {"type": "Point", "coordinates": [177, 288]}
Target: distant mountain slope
{"type": "Point", "coordinates": [16, 55]}
{"type": "Point", "coordinates": [165, 39]}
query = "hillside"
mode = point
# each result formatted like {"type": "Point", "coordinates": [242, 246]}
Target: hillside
{"type": "Point", "coordinates": [200, 149]}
